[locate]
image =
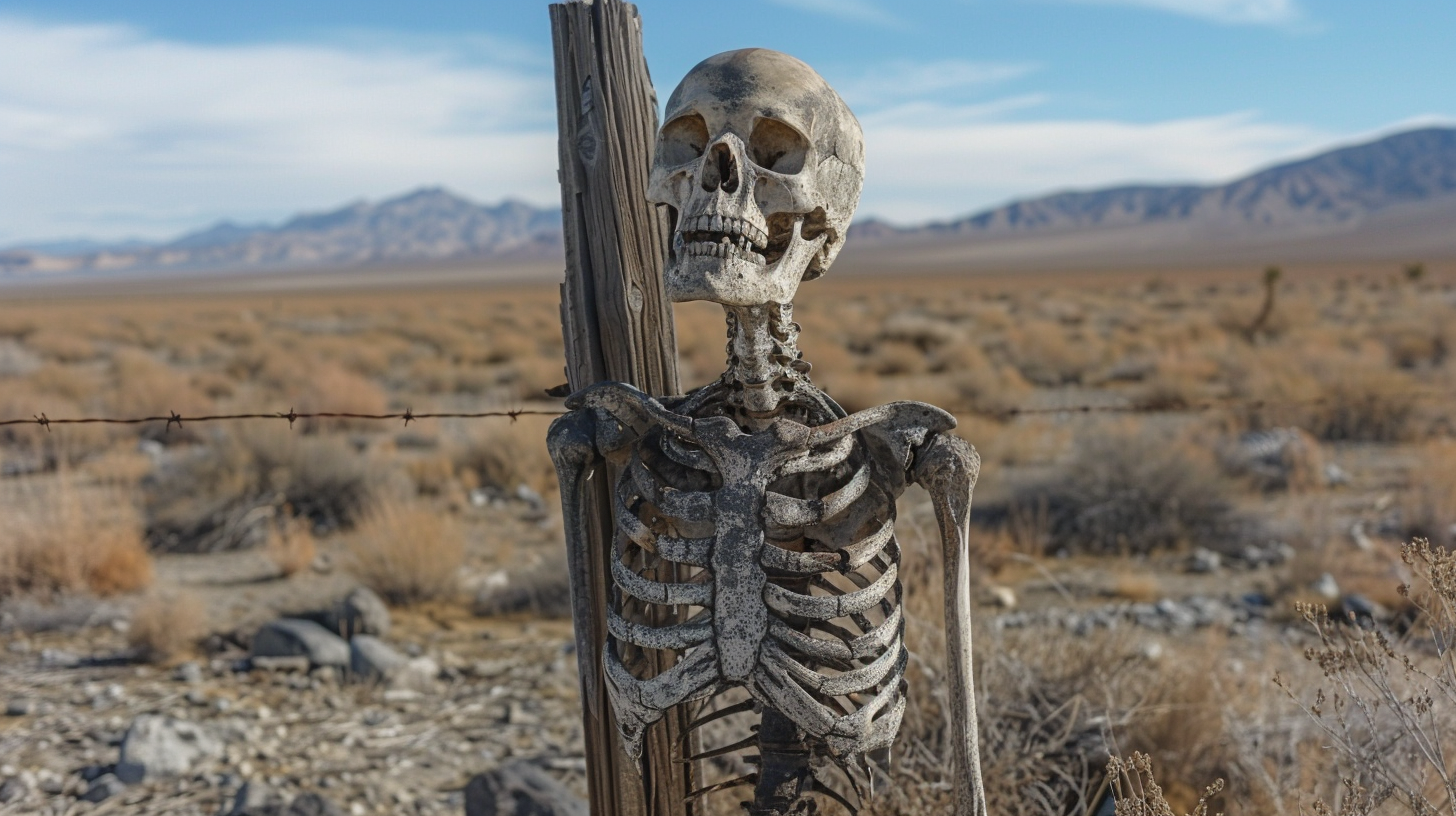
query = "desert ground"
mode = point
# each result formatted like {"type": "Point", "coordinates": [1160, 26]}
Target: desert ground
{"type": "Point", "coordinates": [1178, 474]}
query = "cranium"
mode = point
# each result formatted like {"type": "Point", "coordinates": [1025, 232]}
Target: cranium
{"type": "Point", "coordinates": [761, 163]}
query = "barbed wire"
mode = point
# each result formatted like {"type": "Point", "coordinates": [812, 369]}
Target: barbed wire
{"type": "Point", "coordinates": [291, 416]}
{"type": "Point", "coordinates": [409, 415]}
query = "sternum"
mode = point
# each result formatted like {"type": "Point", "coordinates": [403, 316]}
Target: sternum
{"type": "Point", "coordinates": [740, 618]}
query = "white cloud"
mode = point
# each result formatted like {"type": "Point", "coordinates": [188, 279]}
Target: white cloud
{"type": "Point", "coordinates": [1234, 12]}
{"type": "Point", "coordinates": [106, 131]}
{"type": "Point", "coordinates": [933, 163]}
{"type": "Point", "coordinates": [900, 80]}
{"type": "Point", "coordinates": [857, 11]}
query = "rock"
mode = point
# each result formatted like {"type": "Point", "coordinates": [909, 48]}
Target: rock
{"type": "Point", "coordinates": [1204, 561]}
{"type": "Point", "coordinates": [1361, 610]}
{"type": "Point", "coordinates": [312, 804]}
{"type": "Point", "coordinates": [255, 798]}
{"type": "Point", "coordinates": [297, 663]}
{"type": "Point", "coordinates": [156, 746]}
{"type": "Point", "coordinates": [1335, 476]}
{"type": "Point", "coordinates": [1326, 587]}
{"type": "Point", "coordinates": [361, 612]}
{"type": "Point", "coordinates": [59, 659]}
{"type": "Point", "coordinates": [295, 637]}
{"type": "Point", "coordinates": [1003, 597]}
{"type": "Point", "coordinates": [520, 789]}
{"type": "Point", "coordinates": [372, 659]}
{"type": "Point", "coordinates": [189, 672]}
{"type": "Point", "coordinates": [13, 790]}
{"type": "Point", "coordinates": [104, 787]}
{"type": "Point", "coordinates": [20, 708]}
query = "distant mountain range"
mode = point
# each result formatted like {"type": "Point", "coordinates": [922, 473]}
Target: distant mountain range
{"type": "Point", "coordinates": [1393, 198]}
{"type": "Point", "coordinates": [431, 224]}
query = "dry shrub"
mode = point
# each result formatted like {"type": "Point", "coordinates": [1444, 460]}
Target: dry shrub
{"type": "Point", "coordinates": [1392, 702]}
{"type": "Point", "coordinates": [1336, 398]}
{"type": "Point", "coordinates": [166, 625]}
{"type": "Point", "coordinates": [505, 454]}
{"type": "Point", "coordinates": [1428, 503]}
{"type": "Point", "coordinates": [1137, 792]}
{"type": "Point", "coordinates": [145, 386]}
{"type": "Point", "coordinates": [432, 475]}
{"type": "Point", "coordinates": [291, 546]}
{"type": "Point", "coordinates": [408, 552]}
{"type": "Point", "coordinates": [223, 495]}
{"type": "Point", "coordinates": [1124, 492]}
{"type": "Point", "coordinates": [66, 345]}
{"type": "Point", "coordinates": [62, 537]}
{"type": "Point", "coordinates": [1048, 355]}
{"type": "Point", "coordinates": [332, 389]}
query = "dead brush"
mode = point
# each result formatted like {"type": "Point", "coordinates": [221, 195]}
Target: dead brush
{"type": "Point", "coordinates": [60, 536]}
{"type": "Point", "coordinates": [1428, 503]}
{"type": "Point", "coordinates": [1137, 792]}
{"type": "Point", "coordinates": [1390, 714]}
{"type": "Point", "coordinates": [1134, 493]}
{"type": "Point", "coordinates": [408, 552]}
{"type": "Point", "coordinates": [166, 625]}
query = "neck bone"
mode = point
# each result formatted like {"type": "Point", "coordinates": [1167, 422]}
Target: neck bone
{"type": "Point", "coordinates": [765, 366]}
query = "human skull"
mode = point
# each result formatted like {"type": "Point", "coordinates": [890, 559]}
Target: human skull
{"type": "Point", "coordinates": [761, 163]}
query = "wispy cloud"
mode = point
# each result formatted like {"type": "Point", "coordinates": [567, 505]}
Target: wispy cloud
{"type": "Point", "coordinates": [857, 11]}
{"type": "Point", "coordinates": [927, 163]}
{"type": "Point", "coordinates": [898, 81]}
{"type": "Point", "coordinates": [1232, 12]}
{"type": "Point", "coordinates": [106, 130]}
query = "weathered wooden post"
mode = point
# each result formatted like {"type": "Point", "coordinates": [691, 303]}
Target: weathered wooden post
{"type": "Point", "coordinates": [617, 324]}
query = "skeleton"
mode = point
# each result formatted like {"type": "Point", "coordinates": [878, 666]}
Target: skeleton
{"type": "Point", "coordinates": [755, 548]}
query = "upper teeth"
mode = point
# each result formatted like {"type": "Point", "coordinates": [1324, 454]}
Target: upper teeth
{"type": "Point", "coordinates": [726, 225]}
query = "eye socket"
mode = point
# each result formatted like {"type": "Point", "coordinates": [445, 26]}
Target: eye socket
{"type": "Point", "coordinates": [776, 146]}
{"type": "Point", "coordinates": [682, 140]}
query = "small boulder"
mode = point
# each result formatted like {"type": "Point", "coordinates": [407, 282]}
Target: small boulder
{"type": "Point", "coordinates": [361, 612]}
{"type": "Point", "coordinates": [1204, 561]}
{"type": "Point", "coordinates": [372, 659]}
{"type": "Point", "coordinates": [1326, 587]}
{"type": "Point", "coordinates": [255, 798]}
{"type": "Point", "coordinates": [102, 788]}
{"type": "Point", "coordinates": [312, 804]}
{"type": "Point", "coordinates": [520, 789]}
{"type": "Point", "coordinates": [295, 637]}
{"type": "Point", "coordinates": [158, 746]}
{"type": "Point", "coordinates": [13, 790]}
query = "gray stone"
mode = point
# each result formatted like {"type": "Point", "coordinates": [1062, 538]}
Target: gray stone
{"type": "Point", "coordinates": [296, 663]}
{"type": "Point", "coordinates": [372, 659]}
{"type": "Point", "coordinates": [1326, 587]}
{"type": "Point", "coordinates": [295, 637]}
{"type": "Point", "coordinates": [13, 790]}
{"type": "Point", "coordinates": [255, 798]}
{"type": "Point", "coordinates": [1204, 560]}
{"type": "Point", "coordinates": [312, 804]}
{"type": "Point", "coordinates": [20, 708]}
{"type": "Point", "coordinates": [361, 612]}
{"type": "Point", "coordinates": [189, 672]}
{"type": "Point", "coordinates": [520, 789]}
{"type": "Point", "coordinates": [158, 746]}
{"type": "Point", "coordinates": [103, 787]}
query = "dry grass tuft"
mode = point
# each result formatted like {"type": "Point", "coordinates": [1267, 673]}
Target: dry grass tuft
{"type": "Point", "coordinates": [1133, 493]}
{"type": "Point", "coordinates": [63, 537]}
{"type": "Point", "coordinates": [291, 546]}
{"type": "Point", "coordinates": [167, 625]}
{"type": "Point", "coordinates": [407, 552]}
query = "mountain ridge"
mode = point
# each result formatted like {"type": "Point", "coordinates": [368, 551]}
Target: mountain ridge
{"type": "Point", "coordinates": [1390, 197]}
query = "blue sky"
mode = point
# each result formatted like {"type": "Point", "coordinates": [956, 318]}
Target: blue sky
{"type": "Point", "coordinates": [130, 118]}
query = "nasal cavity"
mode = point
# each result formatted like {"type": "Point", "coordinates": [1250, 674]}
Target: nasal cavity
{"type": "Point", "coordinates": [720, 170]}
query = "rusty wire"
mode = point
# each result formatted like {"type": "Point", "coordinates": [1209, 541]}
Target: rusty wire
{"type": "Point", "coordinates": [292, 416]}
{"type": "Point", "coordinates": [408, 415]}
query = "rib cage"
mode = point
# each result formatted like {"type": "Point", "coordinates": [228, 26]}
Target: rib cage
{"type": "Point", "coordinates": [750, 563]}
